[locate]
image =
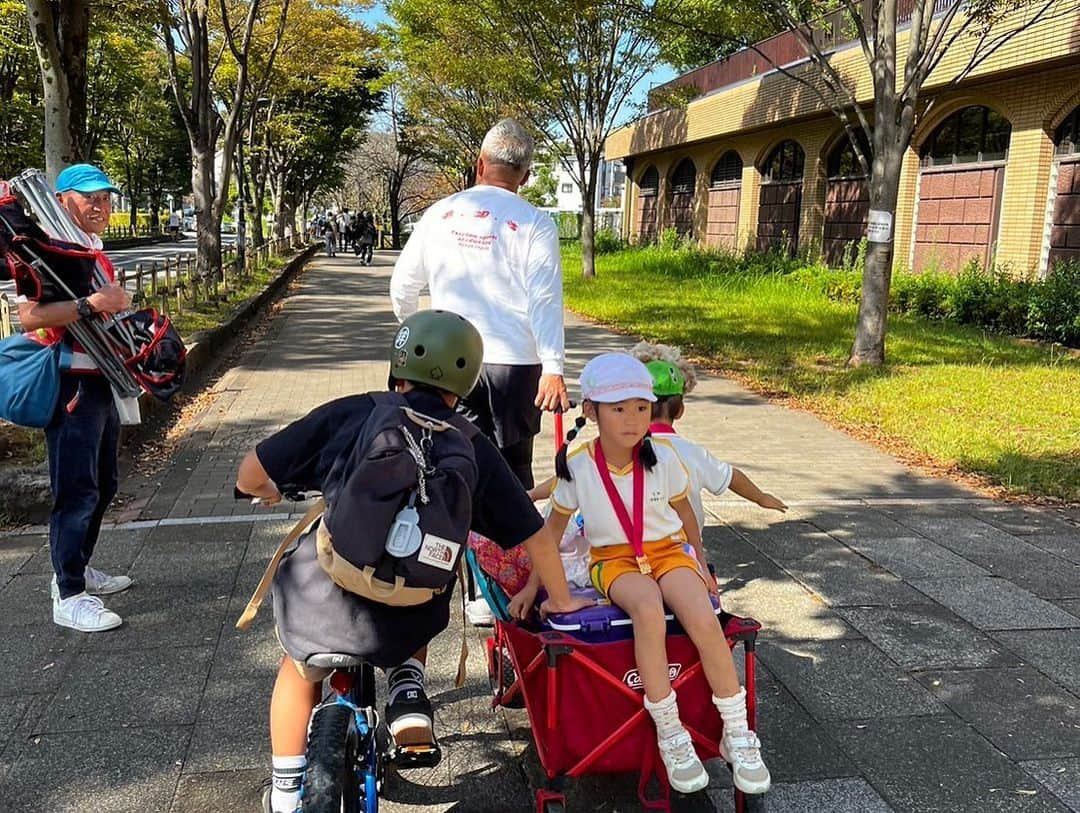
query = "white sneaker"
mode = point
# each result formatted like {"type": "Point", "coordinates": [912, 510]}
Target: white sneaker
{"type": "Point", "coordinates": [97, 584]}
{"type": "Point", "coordinates": [102, 584]}
{"type": "Point", "coordinates": [84, 613]}
{"type": "Point", "coordinates": [685, 771]}
{"type": "Point", "coordinates": [479, 613]}
{"type": "Point", "coordinates": [742, 752]}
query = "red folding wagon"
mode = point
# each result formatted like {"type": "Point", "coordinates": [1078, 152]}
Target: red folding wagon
{"type": "Point", "coordinates": [584, 697]}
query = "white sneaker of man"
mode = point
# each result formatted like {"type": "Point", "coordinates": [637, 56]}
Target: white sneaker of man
{"type": "Point", "coordinates": [479, 613]}
{"type": "Point", "coordinates": [84, 613]}
{"type": "Point", "coordinates": [97, 584]}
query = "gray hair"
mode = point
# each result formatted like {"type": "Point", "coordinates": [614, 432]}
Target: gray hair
{"type": "Point", "coordinates": [509, 144]}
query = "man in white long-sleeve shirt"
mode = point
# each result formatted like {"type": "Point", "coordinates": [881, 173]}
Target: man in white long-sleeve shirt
{"type": "Point", "coordinates": [493, 258]}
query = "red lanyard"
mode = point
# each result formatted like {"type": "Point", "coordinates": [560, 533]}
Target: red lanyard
{"type": "Point", "coordinates": [635, 531]}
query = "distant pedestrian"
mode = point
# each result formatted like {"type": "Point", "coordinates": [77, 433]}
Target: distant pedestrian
{"type": "Point", "coordinates": [344, 226]}
{"type": "Point", "coordinates": [328, 236]}
{"type": "Point", "coordinates": [174, 225]}
{"type": "Point", "coordinates": [366, 237]}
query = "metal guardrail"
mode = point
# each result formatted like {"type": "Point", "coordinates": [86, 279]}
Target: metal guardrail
{"type": "Point", "coordinates": [175, 283]}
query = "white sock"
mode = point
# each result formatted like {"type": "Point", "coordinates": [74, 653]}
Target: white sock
{"type": "Point", "coordinates": [733, 712]}
{"type": "Point", "coordinates": [408, 676]}
{"type": "Point", "coordinates": [665, 714]}
{"type": "Point", "coordinates": [285, 794]}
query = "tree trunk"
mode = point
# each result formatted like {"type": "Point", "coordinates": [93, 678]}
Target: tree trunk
{"type": "Point", "coordinates": [280, 205]}
{"type": "Point", "coordinates": [257, 184]}
{"type": "Point", "coordinates": [394, 199]}
{"type": "Point", "coordinates": [588, 218]}
{"type": "Point", "coordinates": [869, 346]}
{"type": "Point", "coordinates": [61, 43]}
{"type": "Point", "coordinates": [207, 221]}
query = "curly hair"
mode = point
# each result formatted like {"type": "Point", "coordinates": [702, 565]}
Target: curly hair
{"type": "Point", "coordinates": [646, 352]}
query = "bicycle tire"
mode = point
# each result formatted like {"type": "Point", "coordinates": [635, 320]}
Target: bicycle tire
{"type": "Point", "coordinates": [330, 783]}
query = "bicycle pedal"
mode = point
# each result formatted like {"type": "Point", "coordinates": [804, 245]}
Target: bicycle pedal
{"type": "Point", "coordinates": [416, 756]}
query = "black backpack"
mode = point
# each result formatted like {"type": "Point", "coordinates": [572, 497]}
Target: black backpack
{"type": "Point", "coordinates": [399, 505]}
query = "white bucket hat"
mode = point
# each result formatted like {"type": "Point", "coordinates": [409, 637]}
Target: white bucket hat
{"type": "Point", "coordinates": [613, 377]}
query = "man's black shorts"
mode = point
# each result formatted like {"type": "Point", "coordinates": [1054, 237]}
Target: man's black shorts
{"type": "Point", "coordinates": [502, 403]}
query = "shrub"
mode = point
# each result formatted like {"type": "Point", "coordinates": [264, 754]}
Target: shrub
{"type": "Point", "coordinates": [773, 261]}
{"type": "Point", "coordinates": [840, 286]}
{"type": "Point", "coordinates": [669, 239]}
{"type": "Point", "coordinates": [569, 224]}
{"type": "Point", "coordinates": [1054, 305]}
{"type": "Point", "coordinates": [122, 220]}
{"type": "Point", "coordinates": [991, 299]}
{"type": "Point", "coordinates": [608, 241]}
{"type": "Point", "coordinates": [927, 294]}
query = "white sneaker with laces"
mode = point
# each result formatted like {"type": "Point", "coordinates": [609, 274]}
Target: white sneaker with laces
{"type": "Point", "coordinates": [84, 613]}
{"type": "Point", "coordinates": [685, 771]}
{"type": "Point", "coordinates": [479, 613]}
{"type": "Point", "coordinates": [742, 751]}
{"type": "Point", "coordinates": [97, 583]}
{"type": "Point", "coordinates": [102, 584]}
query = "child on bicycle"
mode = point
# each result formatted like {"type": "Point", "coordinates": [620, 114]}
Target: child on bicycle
{"type": "Point", "coordinates": [434, 361]}
{"type": "Point", "coordinates": [646, 552]}
{"type": "Point", "coordinates": [673, 377]}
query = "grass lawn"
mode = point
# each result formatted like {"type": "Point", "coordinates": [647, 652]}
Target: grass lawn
{"type": "Point", "coordinates": [982, 404]}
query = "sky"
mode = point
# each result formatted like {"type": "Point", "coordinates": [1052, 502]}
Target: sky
{"type": "Point", "coordinates": [634, 106]}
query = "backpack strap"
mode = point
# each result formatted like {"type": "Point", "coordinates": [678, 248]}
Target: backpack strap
{"type": "Point", "coordinates": [314, 513]}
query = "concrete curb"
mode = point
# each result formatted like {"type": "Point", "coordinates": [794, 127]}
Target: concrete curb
{"type": "Point", "coordinates": [24, 492]}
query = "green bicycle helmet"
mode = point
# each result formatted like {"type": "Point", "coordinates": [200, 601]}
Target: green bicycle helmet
{"type": "Point", "coordinates": [437, 348]}
{"type": "Point", "coordinates": [667, 379]}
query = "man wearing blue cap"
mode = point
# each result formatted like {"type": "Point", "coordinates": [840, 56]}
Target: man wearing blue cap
{"type": "Point", "coordinates": [83, 436]}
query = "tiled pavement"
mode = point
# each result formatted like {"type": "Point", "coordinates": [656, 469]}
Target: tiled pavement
{"type": "Point", "coordinates": [920, 652]}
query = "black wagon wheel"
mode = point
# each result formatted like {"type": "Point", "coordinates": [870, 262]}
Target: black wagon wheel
{"type": "Point", "coordinates": [330, 781]}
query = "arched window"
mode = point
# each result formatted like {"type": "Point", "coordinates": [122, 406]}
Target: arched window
{"type": "Point", "coordinates": [842, 161]}
{"type": "Point", "coordinates": [728, 170]}
{"type": "Point", "coordinates": [1067, 137]}
{"type": "Point", "coordinates": [971, 135]}
{"type": "Point", "coordinates": [784, 164]}
{"type": "Point", "coordinates": [683, 178]}
{"type": "Point", "coordinates": [650, 183]}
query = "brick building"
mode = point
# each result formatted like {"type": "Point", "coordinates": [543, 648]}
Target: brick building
{"type": "Point", "coordinates": [993, 171]}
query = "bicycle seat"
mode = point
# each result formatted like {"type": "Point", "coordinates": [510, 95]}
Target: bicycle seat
{"type": "Point", "coordinates": [334, 660]}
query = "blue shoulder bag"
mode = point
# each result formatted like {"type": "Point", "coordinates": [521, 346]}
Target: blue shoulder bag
{"type": "Point", "coordinates": [30, 380]}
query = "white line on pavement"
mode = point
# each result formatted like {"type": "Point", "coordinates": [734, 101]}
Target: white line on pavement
{"type": "Point", "coordinates": [31, 530]}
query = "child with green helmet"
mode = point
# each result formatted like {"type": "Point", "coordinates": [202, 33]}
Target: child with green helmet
{"type": "Point", "coordinates": [673, 378]}
{"type": "Point", "coordinates": [435, 359]}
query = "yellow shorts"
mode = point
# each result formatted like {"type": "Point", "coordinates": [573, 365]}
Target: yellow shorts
{"type": "Point", "coordinates": [611, 561]}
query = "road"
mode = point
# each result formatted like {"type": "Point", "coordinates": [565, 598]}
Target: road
{"type": "Point", "coordinates": [128, 258]}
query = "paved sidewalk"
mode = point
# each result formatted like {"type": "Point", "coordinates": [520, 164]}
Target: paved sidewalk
{"type": "Point", "coordinates": [920, 652]}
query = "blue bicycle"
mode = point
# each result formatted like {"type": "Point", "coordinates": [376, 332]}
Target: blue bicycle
{"type": "Point", "coordinates": [348, 750]}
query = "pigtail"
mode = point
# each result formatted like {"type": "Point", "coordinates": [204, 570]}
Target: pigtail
{"type": "Point", "coordinates": [647, 453]}
{"type": "Point", "coordinates": [562, 468]}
